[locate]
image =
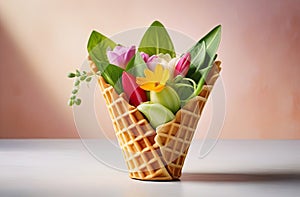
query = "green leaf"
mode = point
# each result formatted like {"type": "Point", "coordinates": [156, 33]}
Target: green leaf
{"type": "Point", "coordinates": [212, 41]}
{"type": "Point", "coordinates": [136, 66]}
{"type": "Point", "coordinates": [112, 75]}
{"type": "Point", "coordinates": [97, 40]}
{"type": "Point", "coordinates": [204, 73]}
{"type": "Point", "coordinates": [157, 40]}
{"type": "Point", "coordinates": [97, 47]}
{"type": "Point", "coordinates": [198, 54]}
{"type": "Point", "coordinates": [183, 87]}
{"type": "Point", "coordinates": [201, 58]}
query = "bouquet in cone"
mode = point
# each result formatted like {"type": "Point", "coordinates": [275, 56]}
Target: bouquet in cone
{"type": "Point", "coordinates": [154, 96]}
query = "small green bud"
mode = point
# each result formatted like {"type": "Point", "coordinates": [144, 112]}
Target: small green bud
{"type": "Point", "coordinates": [83, 77]}
{"type": "Point", "coordinates": [70, 102]}
{"type": "Point", "coordinates": [88, 79]}
{"type": "Point", "coordinates": [78, 101]}
{"type": "Point", "coordinates": [71, 75]}
{"type": "Point", "coordinates": [74, 91]}
{"type": "Point", "coordinates": [76, 83]}
{"type": "Point", "coordinates": [73, 97]}
{"type": "Point", "coordinates": [77, 73]}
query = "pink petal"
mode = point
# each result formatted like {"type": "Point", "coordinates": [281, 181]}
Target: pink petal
{"type": "Point", "coordinates": [152, 62]}
{"type": "Point", "coordinates": [120, 56]}
{"type": "Point", "coordinates": [135, 94]}
{"type": "Point", "coordinates": [111, 56]}
{"type": "Point", "coordinates": [115, 59]}
{"type": "Point", "coordinates": [129, 54]}
{"type": "Point", "coordinates": [183, 65]}
{"type": "Point", "coordinates": [120, 49]}
{"type": "Point", "coordinates": [145, 56]}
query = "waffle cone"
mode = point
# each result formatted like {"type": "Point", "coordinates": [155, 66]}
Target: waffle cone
{"type": "Point", "coordinates": [155, 154]}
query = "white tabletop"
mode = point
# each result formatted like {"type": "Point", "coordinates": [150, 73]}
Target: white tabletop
{"type": "Point", "coordinates": [66, 168]}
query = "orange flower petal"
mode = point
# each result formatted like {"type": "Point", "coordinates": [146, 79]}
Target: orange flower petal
{"type": "Point", "coordinates": [150, 86]}
{"type": "Point", "coordinates": [154, 81]}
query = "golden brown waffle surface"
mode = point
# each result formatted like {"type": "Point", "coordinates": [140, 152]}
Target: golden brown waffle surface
{"type": "Point", "coordinates": [150, 154]}
{"type": "Point", "coordinates": [174, 138]}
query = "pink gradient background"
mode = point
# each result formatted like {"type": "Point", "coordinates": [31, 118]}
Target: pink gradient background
{"type": "Point", "coordinates": [41, 41]}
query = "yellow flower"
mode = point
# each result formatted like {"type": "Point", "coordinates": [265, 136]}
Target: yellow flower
{"type": "Point", "coordinates": [154, 81]}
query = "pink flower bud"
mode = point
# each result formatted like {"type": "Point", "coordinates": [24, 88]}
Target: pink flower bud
{"type": "Point", "coordinates": [135, 94]}
{"type": "Point", "coordinates": [121, 55]}
{"type": "Point", "coordinates": [145, 56]}
{"type": "Point", "coordinates": [183, 65]}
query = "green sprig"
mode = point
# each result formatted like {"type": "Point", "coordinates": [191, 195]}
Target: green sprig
{"type": "Point", "coordinates": [79, 78]}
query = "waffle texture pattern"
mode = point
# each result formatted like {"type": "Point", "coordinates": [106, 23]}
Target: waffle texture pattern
{"type": "Point", "coordinates": [155, 154]}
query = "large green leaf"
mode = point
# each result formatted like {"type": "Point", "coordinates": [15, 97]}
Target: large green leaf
{"type": "Point", "coordinates": [157, 40]}
{"type": "Point", "coordinates": [98, 40]}
{"type": "Point", "coordinates": [212, 41]}
{"type": "Point", "coordinates": [203, 53]}
{"type": "Point", "coordinates": [198, 54]}
{"type": "Point", "coordinates": [97, 47]}
{"type": "Point", "coordinates": [136, 66]}
{"type": "Point", "coordinates": [113, 75]}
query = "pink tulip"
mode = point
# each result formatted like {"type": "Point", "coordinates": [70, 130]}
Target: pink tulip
{"type": "Point", "coordinates": [121, 55]}
{"type": "Point", "coordinates": [135, 94]}
{"type": "Point", "coordinates": [145, 56]}
{"type": "Point", "coordinates": [183, 65]}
